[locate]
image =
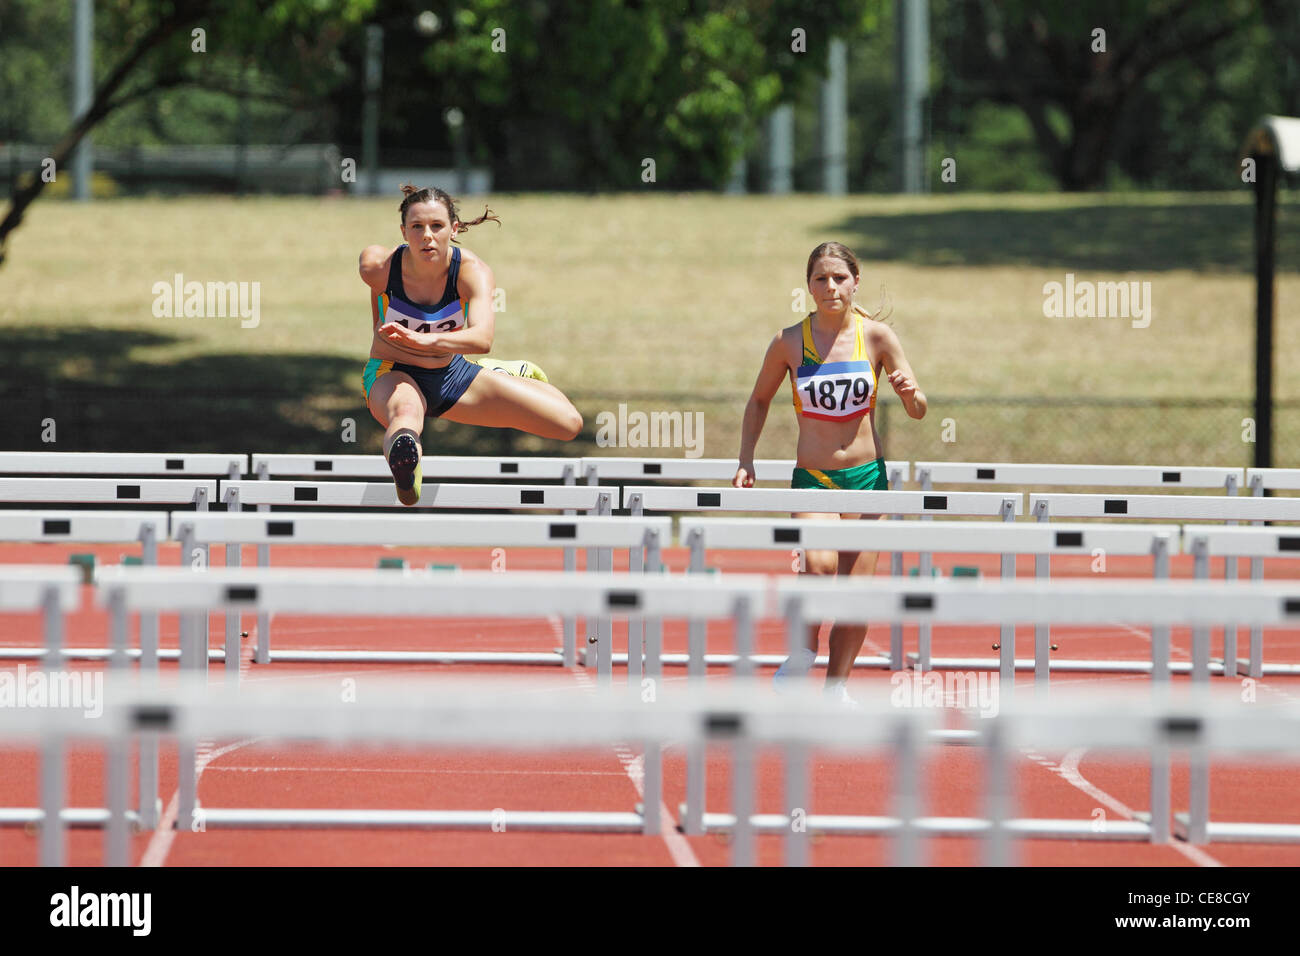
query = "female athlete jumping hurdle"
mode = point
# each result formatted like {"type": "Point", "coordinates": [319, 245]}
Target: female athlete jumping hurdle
{"type": "Point", "coordinates": [833, 359]}
{"type": "Point", "coordinates": [431, 305]}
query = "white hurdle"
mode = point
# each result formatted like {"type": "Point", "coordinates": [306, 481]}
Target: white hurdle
{"type": "Point", "coordinates": [1197, 603]}
{"type": "Point", "coordinates": [647, 536]}
{"type": "Point", "coordinates": [54, 591]}
{"type": "Point", "coordinates": [433, 466]}
{"type": "Point", "coordinates": [107, 463]}
{"type": "Point", "coordinates": [1078, 476]}
{"type": "Point", "coordinates": [1158, 541]}
{"type": "Point", "coordinates": [265, 493]}
{"type": "Point", "coordinates": [708, 469]}
{"type": "Point", "coordinates": [643, 498]}
{"type": "Point", "coordinates": [424, 594]}
{"type": "Point", "coordinates": [98, 491]}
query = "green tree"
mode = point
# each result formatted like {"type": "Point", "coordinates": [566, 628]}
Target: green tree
{"type": "Point", "coordinates": [159, 50]}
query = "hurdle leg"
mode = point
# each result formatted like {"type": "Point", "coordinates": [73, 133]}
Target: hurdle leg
{"type": "Point", "coordinates": [117, 755]}
{"type": "Point", "coordinates": [262, 655]}
{"type": "Point", "coordinates": [653, 792]}
{"type": "Point", "coordinates": [1007, 638]}
{"type": "Point", "coordinates": [896, 661]}
{"type": "Point", "coordinates": [907, 795]}
{"type": "Point", "coordinates": [186, 747]}
{"type": "Point", "coordinates": [923, 628]}
{"type": "Point", "coordinates": [743, 758]}
{"type": "Point", "coordinates": [1042, 632]}
{"type": "Point", "coordinates": [1200, 633]}
{"type": "Point", "coordinates": [1256, 666]}
{"type": "Point", "coordinates": [796, 803]}
{"type": "Point", "coordinates": [149, 808]}
{"type": "Point", "coordinates": [233, 621]}
{"type": "Point", "coordinates": [53, 844]}
{"type": "Point", "coordinates": [605, 624]}
{"type": "Point", "coordinates": [696, 670]}
{"type": "Point", "coordinates": [743, 619]}
{"type": "Point", "coordinates": [997, 783]}
{"type": "Point", "coordinates": [1230, 630]}
{"type": "Point", "coordinates": [569, 621]}
{"type": "Point", "coordinates": [1160, 633]}
{"type": "Point", "coordinates": [1160, 799]}
{"type": "Point", "coordinates": [1198, 794]}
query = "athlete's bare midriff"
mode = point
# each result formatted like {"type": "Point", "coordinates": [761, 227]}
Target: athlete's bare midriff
{"type": "Point", "coordinates": [833, 445]}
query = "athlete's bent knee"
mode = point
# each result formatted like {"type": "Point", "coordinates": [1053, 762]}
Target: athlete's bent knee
{"type": "Point", "coordinates": [571, 424]}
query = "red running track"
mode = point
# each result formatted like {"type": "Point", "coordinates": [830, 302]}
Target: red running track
{"type": "Point", "coordinates": [1079, 784]}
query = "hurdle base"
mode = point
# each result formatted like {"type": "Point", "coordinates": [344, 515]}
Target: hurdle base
{"type": "Point", "coordinates": [416, 657]}
{"type": "Point", "coordinates": [78, 817]}
{"type": "Point", "coordinates": [94, 653]}
{"type": "Point", "coordinates": [1118, 667]}
{"type": "Point", "coordinates": [758, 660]}
{"type": "Point", "coordinates": [1028, 828]}
{"type": "Point", "coordinates": [503, 821]}
{"type": "Point", "coordinates": [1240, 832]}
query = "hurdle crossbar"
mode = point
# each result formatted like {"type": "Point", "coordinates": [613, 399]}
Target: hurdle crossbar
{"type": "Point", "coordinates": [1133, 476]}
{"type": "Point", "coordinates": [432, 466]}
{"type": "Point", "coordinates": [356, 494]}
{"type": "Point", "coordinates": [133, 491]}
{"type": "Point", "coordinates": [106, 463]}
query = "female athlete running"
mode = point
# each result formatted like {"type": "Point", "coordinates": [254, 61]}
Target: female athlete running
{"type": "Point", "coordinates": [833, 358]}
{"type": "Point", "coordinates": [431, 305]}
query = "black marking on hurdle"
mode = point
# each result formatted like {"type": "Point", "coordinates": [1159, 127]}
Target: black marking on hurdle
{"type": "Point", "coordinates": [985, 474]}
{"type": "Point", "coordinates": [569, 530]}
{"type": "Point", "coordinates": [1288, 542]}
{"type": "Point", "coordinates": [1290, 607]}
{"type": "Point", "coordinates": [785, 535]}
{"type": "Point", "coordinates": [56, 526]}
{"type": "Point", "coordinates": [128, 491]}
{"type": "Point", "coordinates": [509, 467]}
{"type": "Point", "coordinates": [918, 602]}
{"type": "Point", "coordinates": [532, 497]}
{"type": "Point", "coordinates": [321, 465]}
{"type": "Point", "coordinates": [153, 717]}
{"type": "Point", "coordinates": [723, 725]}
{"type": "Point", "coordinates": [280, 529]}
{"type": "Point", "coordinates": [1182, 729]}
{"type": "Point", "coordinates": [934, 503]}
{"type": "Point", "coordinates": [175, 464]}
{"type": "Point", "coordinates": [651, 469]}
{"type": "Point", "coordinates": [241, 592]}
{"type": "Point", "coordinates": [623, 599]}
{"type": "Point", "coordinates": [1171, 476]}
{"type": "Point", "coordinates": [708, 499]}
{"type": "Point", "coordinates": [305, 494]}
{"type": "Point", "coordinates": [1069, 539]}
{"type": "Point", "coordinates": [1115, 506]}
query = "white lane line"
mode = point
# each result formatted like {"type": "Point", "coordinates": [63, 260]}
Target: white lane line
{"type": "Point", "coordinates": [1069, 772]}
{"type": "Point", "coordinates": [634, 766]}
{"type": "Point", "coordinates": [436, 773]}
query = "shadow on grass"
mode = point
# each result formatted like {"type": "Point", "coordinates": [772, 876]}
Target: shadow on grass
{"type": "Point", "coordinates": [100, 398]}
{"type": "Point", "coordinates": [1206, 237]}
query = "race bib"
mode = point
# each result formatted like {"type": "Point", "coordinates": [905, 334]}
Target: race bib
{"type": "Point", "coordinates": [835, 391]}
{"type": "Point", "coordinates": [447, 319]}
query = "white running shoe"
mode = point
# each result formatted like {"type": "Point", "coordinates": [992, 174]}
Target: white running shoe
{"type": "Point", "coordinates": [838, 691]}
{"type": "Point", "coordinates": [796, 667]}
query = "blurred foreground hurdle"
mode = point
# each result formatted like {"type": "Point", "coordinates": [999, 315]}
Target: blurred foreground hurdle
{"type": "Point", "coordinates": [738, 716]}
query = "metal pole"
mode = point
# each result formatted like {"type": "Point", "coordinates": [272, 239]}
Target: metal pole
{"type": "Point", "coordinates": [913, 74]}
{"type": "Point", "coordinates": [780, 150]}
{"type": "Point", "coordinates": [1266, 169]}
{"type": "Point", "coordinates": [370, 108]}
{"type": "Point", "coordinates": [796, 804]}
{"type": "Point", "coordinates": [83, 29]}
{"type": "Point", "coordinates": [833, 114]}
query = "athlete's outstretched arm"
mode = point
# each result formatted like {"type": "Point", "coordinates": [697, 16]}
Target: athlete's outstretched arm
{"type": "Point", "coordinates": [770, 377]}
{"type": "Point", "coordinates": [885, 343]}
{"type": "Point", "coordinates": [475, 288]}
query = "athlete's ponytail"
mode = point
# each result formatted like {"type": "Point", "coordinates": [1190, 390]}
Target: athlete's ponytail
{"type": "Point", "coordinates": [413, 195]}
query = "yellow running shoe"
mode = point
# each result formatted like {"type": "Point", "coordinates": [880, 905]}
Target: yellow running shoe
{"type": "Point", "coordinates": [519, 368]}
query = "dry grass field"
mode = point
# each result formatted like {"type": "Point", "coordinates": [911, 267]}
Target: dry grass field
{"type": "Point", "coordinates": [662, 302]}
